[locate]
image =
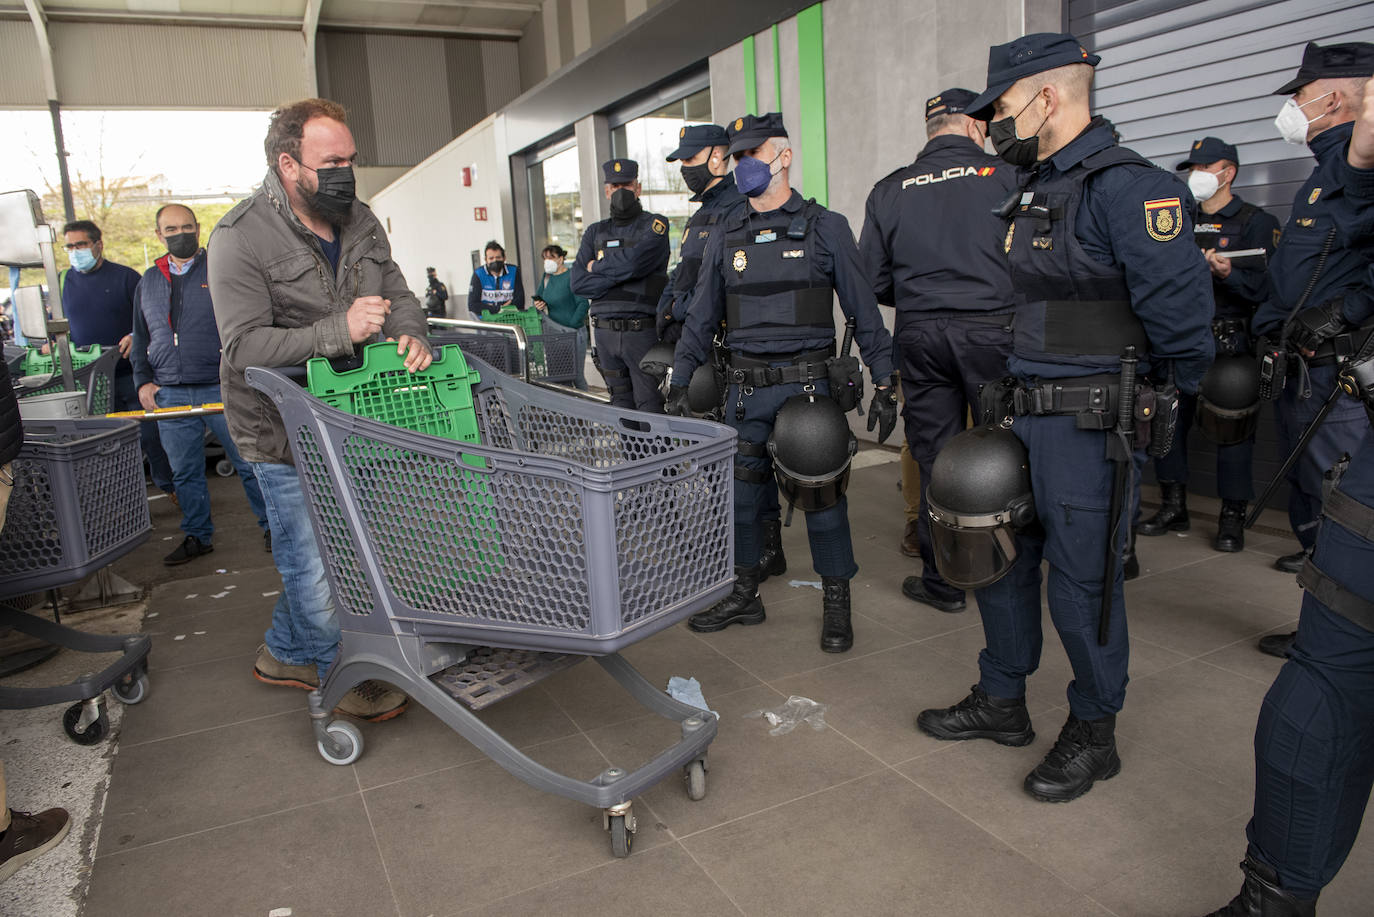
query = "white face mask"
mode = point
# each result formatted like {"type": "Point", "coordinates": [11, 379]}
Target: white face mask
{"type": "Point", "coordinates": [550, 266]}
{"type": "Point", "coordinates": [1292, 123]}
{"type": "Point", "coordinates": [1203, 184]}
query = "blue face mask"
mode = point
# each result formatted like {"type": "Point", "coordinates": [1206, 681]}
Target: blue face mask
{"type": "Point", "coordinates": [83, 259]}
{"type": "Point", "coordinates": [752, 176]}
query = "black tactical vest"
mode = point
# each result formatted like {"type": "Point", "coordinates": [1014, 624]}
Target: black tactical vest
{"type": "Point", "coordinates": [1077, 310]}
{"type": "Point", "coordinates": [773, 287]}
{"type": "Point", "coordinates": [640, 295]}
{"type": "Point", "coordinates": [1231, 228]}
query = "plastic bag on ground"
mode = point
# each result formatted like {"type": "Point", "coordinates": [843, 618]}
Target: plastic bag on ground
{"type": "Point", "coordinates": [688, 691]}
{"type": "Point", "coordinates": [793, 713]}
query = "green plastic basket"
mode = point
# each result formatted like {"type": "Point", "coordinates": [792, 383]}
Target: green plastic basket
{"type": "Point", "coordinates": [437, 400]}
{"type": "Point", "coordinates": [531, 322]}
{"type": "Point", "coordinates": [37, 364]}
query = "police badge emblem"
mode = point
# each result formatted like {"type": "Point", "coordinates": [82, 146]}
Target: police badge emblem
{"type": "Point", "coordinates": [739, 123]}
{"type": "Point", "coordinates": [1316, 193]}
{"type": "Point", "coordinates": [740, 262]}
{"type": "Point", "coordinates": [1006, 243]}
{"type": "Point", "coordinates": [659, 227]}
{"type": "Point", "coordinates": [1164, 219]}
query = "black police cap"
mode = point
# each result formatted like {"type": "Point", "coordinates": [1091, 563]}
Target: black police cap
{"type": "Point", "coordinates": [692, 140]}
{"type": "Point", "coordinates": [949, 102]}
{"type": "Point", "coordinates": [620, 171]}
{"type": "Point", "coordinates": [748, 132]}
{"type": "Point", "coordinates": [1352, 59]}
{"type": "Point", "coordinates": [1026, 56]}
{"type": "Point", "coordinates": [1207, 151]}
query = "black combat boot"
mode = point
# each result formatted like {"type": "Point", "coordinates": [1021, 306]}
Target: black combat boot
{"type": "Point", "coordinates": [1231, 527]}
{"type": "Point", "coordinates": [837, 632]}
{"type": "Point", "coordinates": [1261, 896]}
{"type": "Point", "coordinates": [1084, 752]}
{"type": "Point", "coordinates": [1173, 511]}
{"type": "Point", "coordinates": [1291, 563]}
{"type": "Point", "coordinates": [772, 562]}
{"type": "Point", "coordinates": [743, 606]}
{"type": "Point", "coordinates": [980, 716]}
{"type": "Point", "coordinates": [1277, 644]}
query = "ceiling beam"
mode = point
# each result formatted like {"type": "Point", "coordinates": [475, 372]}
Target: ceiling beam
{"type": "Point", "coordinates": [288, 23]}
{"type": "Point", "coordinates": [309, 27]}
{"type": "Point", "coordinates": [40, 29]}
{"type": "Point", "coordinates": [514, 6]}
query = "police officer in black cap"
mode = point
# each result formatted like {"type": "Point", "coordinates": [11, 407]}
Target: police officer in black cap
{"type": "Point", "coordinates": [771, 273]}
{"type": "Point", "coordinates": [932, 242]}
{"type": "Point", "coordinates": [1223, 223]}
{"type": "Point", "coordinates": [1321, 305]}
{"type": "Point", "coordinates": [1314, 743]}
{"type": "Point", "coordinates": [620, 267]}
{"type": "Point", "coordinates": [1102, 252]}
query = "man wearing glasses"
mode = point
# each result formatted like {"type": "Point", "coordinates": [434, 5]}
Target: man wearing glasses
{"type": "Point", "coordinates": [98, 300]}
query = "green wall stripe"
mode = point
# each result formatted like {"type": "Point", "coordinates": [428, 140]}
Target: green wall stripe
{"type": "Point", "coordinates": [751, 79]}
{"type": "Point", "coordinates": [811, 77]}
{"type": "Point", "coordinates": [777, 71]}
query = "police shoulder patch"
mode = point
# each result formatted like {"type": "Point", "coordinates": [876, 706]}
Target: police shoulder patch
{"type": "Point", "coordinates": [740, 262]}
{"type": "Point", "coordinates": [1316, 193]}
{"type": "Point", "coordinates": [659, 227]}
{"type": "Point", "coordinates": [1277, 233]}
{"type": "Point", "coordinates": [1164, 219]}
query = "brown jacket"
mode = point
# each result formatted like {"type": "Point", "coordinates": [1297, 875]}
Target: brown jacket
{"type": "Point", "coordinates": [275, 305]}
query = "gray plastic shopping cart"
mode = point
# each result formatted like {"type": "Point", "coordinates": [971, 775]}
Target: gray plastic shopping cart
{"type": "Point", "coordinates": [469, 565]}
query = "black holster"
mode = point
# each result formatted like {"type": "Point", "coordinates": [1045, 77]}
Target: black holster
{"type": "Point", "coordinates": [995, 400]}
{"type": "Point", "coordinates": [846, 382]}
{"type": "Point", "coordinates": [1160, 402]}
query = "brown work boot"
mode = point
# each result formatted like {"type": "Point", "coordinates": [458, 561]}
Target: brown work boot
{"type": "Point", "coordinates": [373, 701]}
{"type": "Point", "coordinates": [29, 836]}
{"type": "Point", "coordinates": [911, 542]}
{"type": "Point", "coordinates": [269, 670]}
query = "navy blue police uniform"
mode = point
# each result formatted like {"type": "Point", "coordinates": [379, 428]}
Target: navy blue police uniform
{"type": "Point", "coordinates": [1102, 253]}
{"type": "Point", "coordinates": [1317, 277]}
{"type": "Point", "coordinates": [1237, 226]}
{"type": "Point", "coordinates": [717, 202]}
{"type": "Point", "coordinates": [630, 251]}
{"type": "Point", "coordinates": [772, 279]}
{"type": "Point", "coordinates": [1314, 742]}
{"type": "Point", "coordinates": [932, 244]}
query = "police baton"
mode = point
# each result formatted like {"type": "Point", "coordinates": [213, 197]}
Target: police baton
{"type": "Point", "coordinates": [1293, 456]}
{"type": "Point", "coordinates": [1118, 451]}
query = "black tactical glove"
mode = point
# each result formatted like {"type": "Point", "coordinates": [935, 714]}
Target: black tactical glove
{"type": "Point", "coordinates": [657, 361]}
{"type": "Point", "coordinates": [676, 404]}
{"type": "Point", "coordinates": [1316, 324]}
{"type": "Point", "coordinates": [882, 411]}
{"type": "Point", "coordinates": [663, 321]}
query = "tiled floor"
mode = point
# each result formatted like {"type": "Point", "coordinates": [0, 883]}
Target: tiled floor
{"type": "Point", "coordinates": [220, 805]}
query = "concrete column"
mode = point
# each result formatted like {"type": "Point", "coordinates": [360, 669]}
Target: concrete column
{"type": "Point", "coordinates": [581, 26]}
{"type": "Point", "coordinates": [593, 135]}
{"type": "Point", "coordinates": [553, 59]}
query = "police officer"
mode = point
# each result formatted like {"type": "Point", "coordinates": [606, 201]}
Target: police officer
{"type": "Point", "coordinates": [703, 152]}
{"type": "Point", "coordinates": [1309, 805]}
{"type": "Point", "coordinates": [1321, 308]}
{"type": "Point", "coordinates": [771, 273]}
{"type": "Point", "coordinates": [620, 267]}
{"type": "Point", "coordinates": [932, 243]}
{"type": "Point", "coordinates": [1223, 223]}
{"type": "Point", "coordinates": [1101, 249]}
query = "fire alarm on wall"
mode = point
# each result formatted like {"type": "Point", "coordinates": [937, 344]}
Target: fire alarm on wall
{"type": "Point", "coordinates": [479, 213]}
{"type": "Point", "coordinates": [467, 176]}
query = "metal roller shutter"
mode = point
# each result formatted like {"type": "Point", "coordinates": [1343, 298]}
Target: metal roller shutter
{"type": "Point", "coordinates": [1173, 71]}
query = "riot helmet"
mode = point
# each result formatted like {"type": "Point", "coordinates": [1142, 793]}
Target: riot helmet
{"type": "Point", "coordinates": [811, 447]}
{"type": "Point", "coordinates": [1228, 401]}
{"type": "Point", "coordinates": [979, 497]}
{"type": "Point", "coordinates": [705, 390]}
{"type": "Point", "coordinates": [658, 361]}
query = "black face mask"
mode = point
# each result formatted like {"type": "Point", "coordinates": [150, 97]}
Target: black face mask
{"type": "Point", "coordinates": [182, 245]}
{"type": "Point", "coordinates": [624, 205]}
{"type": "Point", "coordinates": [495, 267]}
{"type": "Point", "coordinates": [1014, 149]}
{"type": "Point", "coordinates": [336, 192]}
{"type": "Point", "coordinates": [697, 177]}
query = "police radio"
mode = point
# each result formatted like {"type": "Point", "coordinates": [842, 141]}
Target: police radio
{"type": "Point", "coordinates": [1273, 369]}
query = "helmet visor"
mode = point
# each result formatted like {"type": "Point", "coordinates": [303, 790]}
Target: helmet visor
{"type": "Point", "coordinates": [969, 557]}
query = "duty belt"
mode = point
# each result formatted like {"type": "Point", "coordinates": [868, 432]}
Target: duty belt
{"type": "Point", "coordinates": [623, 324]}
{"type": "Point", "coordinates": [757, 371]}
{"type": "Point", "coordinates": [1086, 395]}
{"type": "Point", "coordinates": [1340, 347]}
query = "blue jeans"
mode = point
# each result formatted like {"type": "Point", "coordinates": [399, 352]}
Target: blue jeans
{"type": "Point", "coordinates": [580, 381]}
{"type": "Point", "coordinates": [159, 468]}
{"type": "Point", "coordinates": [305, 626]}
{"type": "Point", "coordinates": [184, 441]}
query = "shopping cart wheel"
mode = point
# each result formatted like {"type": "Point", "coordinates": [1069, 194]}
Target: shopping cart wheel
{"type": "Point", "coordinates": [131, 690]}
{"type": "Point", "coordinates": [695, 774]}
{"type": "Point", "coordinates": [224, 468]}
{"type": "Point", "coordinates": [622, 835]}
{"type": "Point", "coordinates": [346, 745]}
{"type": "Point", "coordinates": [86, 721]}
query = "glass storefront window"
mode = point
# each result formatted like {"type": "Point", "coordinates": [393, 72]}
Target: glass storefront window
{"type": "Point", "coordinates": [647, 140]}
{"type": "Point", "coordinates": [556, 201]}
